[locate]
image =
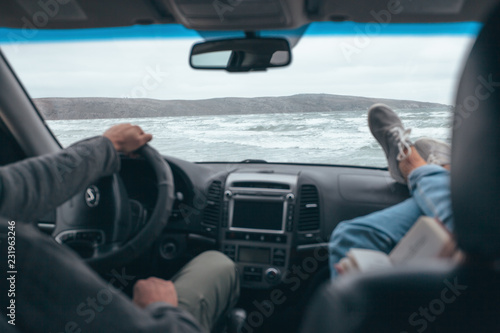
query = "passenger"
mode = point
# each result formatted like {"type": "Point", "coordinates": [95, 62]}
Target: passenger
{"type": "Point", "coordinates": [55, 291]}
{"type": "Point", "coordinates": [423, 166]}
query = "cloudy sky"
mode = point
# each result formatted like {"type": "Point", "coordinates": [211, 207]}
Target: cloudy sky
{"type": "Point", "coordinates": [399, 67]}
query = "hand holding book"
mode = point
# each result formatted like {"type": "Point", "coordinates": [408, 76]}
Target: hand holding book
{"type": "Point", "coordinates": [427, 239]}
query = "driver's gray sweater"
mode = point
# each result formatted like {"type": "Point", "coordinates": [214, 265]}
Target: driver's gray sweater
{"type": "Point", "coordinates": [55, 291]}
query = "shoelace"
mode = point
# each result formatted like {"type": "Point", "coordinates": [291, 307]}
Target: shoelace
{"type": "Point", "coordinates": [433, 159]}
{"type": "Point", "coordinates": [403, 139]}
{"type": "Point", "coordinates": [438, 157]}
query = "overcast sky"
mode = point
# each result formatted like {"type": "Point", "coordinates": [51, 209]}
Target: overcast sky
{"type": "Point", "coordinates": [399, 67]}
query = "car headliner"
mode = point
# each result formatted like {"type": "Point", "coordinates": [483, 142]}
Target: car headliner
{"type": "Point", "coordinates": [233, 14]}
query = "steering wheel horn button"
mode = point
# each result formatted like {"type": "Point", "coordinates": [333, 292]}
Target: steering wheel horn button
{"type": "Point", "coordinates": [92, 196]}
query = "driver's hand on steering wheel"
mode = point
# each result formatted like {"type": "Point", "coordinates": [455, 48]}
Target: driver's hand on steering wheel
{"type": "Point", "coordinates": [154, 290]}
{"type": "Point", "coordinates": [127, 138]}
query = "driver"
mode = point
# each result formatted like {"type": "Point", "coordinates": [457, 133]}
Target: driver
{"type": "Point", "coordinates": [53, 290]}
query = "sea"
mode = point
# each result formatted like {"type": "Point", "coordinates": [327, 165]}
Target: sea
{"type": "Point", "coordinates": [334, 137]}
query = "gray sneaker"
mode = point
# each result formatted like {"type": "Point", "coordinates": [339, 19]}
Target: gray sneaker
{"type": "Point", "coordinates": [388, 129]}
{"type": "Point", "coordinates": [434, 151]}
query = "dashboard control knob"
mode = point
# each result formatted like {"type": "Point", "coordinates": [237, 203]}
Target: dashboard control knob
{"type": "Point", "coordinates": [168, 250]}
{"type": "Point", "coordinates": [272, 275]}
{"type": "Point", "coordinates": [290, 197]}
{"type": "Point", "coordinates": [228, 194]}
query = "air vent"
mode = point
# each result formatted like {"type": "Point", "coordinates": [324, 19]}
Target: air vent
{"type": "Point", "coordinates": [211, 214]}
{"type": "Point", "coordinates": [277, 186]}
{"type": "Point", "coordinates": [309, 208]}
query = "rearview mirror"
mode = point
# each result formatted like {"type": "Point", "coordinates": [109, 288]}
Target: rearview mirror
{"type": "Point", "coordinates": [241, 55]}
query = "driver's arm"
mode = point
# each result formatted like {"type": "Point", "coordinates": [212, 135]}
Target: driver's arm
{"type": "Point", "coordinates": [35, 186]}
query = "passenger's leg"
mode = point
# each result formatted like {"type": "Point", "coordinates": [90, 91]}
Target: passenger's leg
{"type": "Point", "coordinates": [380, 231]}
{"type": "Point", "coordinates": [207, 287]}
{"type": "Point", "coordinates": [430, 187]}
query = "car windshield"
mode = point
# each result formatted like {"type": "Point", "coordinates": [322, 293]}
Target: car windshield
{"type": "Point", "coordinates": [313, 111]}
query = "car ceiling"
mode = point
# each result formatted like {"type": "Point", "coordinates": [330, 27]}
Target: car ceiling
{"type": "Point", "coordinates": [232, 14]}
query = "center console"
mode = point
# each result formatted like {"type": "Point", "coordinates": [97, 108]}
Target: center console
{"type": "Point", "coordinates": [257, 225]}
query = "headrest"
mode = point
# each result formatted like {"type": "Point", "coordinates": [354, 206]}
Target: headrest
{"type": "Point", "coordinates": [475, 171]}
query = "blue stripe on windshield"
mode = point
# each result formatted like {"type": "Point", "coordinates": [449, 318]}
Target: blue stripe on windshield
{"type": "Point", "coordinates": [375, 28]}
{"type": "Point", "coordinates": [8, 35]}
{"type": "Point", "coordinates": [134, 32]}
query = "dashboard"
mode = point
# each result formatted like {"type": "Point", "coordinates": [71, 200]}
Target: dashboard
{"type": "Point", "coordinates": [263, 216]}
{"type": "Point", "coordinates": [256, 228]}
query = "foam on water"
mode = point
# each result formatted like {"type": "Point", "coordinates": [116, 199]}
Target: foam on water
{"type": "Point", "coordinates": [317, 137]}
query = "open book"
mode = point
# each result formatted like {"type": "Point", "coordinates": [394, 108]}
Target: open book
{"type": "Point", "coordinates": [428, 238]}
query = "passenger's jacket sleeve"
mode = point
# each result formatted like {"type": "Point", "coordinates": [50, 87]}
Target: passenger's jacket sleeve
{"type": "Point", "coordinates": [35, 186]}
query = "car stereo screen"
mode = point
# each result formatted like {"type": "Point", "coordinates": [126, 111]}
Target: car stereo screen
{"type": "Point", "coordinates": [258, 215]}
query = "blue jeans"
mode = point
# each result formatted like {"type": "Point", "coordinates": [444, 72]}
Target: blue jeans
{"type": "Point", "coordinates": [430, 189]}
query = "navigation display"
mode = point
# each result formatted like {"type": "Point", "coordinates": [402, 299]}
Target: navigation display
{"type": "Point", "coordinates": [265, 215]}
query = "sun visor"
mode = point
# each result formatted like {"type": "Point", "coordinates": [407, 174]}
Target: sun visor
{"type": "Point", "coordinates": [435, 7]}
{"type": "Point", "coordinates": [238, 14]}
{"type": "Point", "coordinates": [68, 10]}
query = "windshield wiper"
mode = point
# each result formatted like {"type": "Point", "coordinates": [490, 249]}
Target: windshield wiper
{"type": "Point", "coordinates": [252, 161]}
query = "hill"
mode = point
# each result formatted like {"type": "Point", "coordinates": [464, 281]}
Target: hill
{"type": "Point", "coordinates": [99, 108]}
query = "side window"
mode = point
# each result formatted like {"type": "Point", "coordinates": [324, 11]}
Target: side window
{"type": "Point", "coordinates": [10, 151]}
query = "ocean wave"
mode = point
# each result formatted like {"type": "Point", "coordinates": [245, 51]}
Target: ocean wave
{"type": "Point", "coordinates": [319, 137]}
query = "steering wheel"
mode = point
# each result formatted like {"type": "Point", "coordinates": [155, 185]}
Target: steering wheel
{"type": "Point", "coordinates": [98, 225]}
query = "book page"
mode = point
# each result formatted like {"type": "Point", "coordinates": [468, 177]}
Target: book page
{"type": "Point", "coordinates": [426, 239]}
{"type": "Point", "coordinates": [367, 260]}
